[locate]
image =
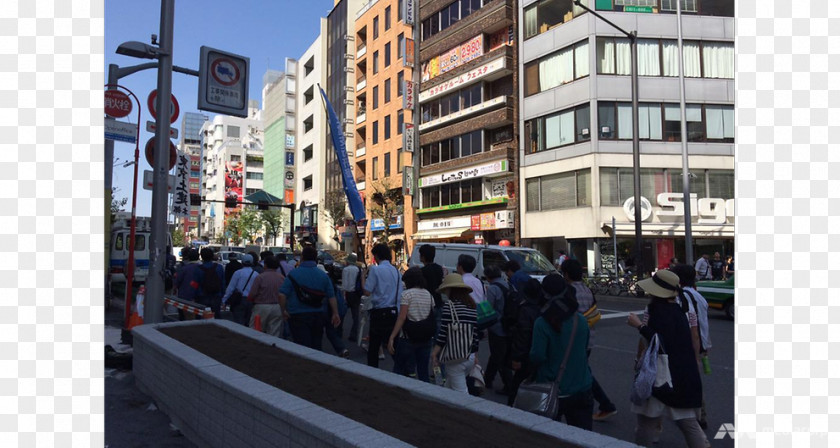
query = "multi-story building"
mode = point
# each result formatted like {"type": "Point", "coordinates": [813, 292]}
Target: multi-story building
{"type": "Point", "coordinates": [232, 166]}
{"type": "Point", "coordinates": [468, 124]}
{"type": "Point", "coordinates": [339, 73]}
{"type": "Point", "coordinates": [191, 144]}
{"type": "Point", "coordinates": [279, 120]}
{"type": "Point", "coordinates": [576, 152]}
{"type": "Point", "coordinates": [381, 72]}
{"type": "Point", "coordinates": [308, 176]}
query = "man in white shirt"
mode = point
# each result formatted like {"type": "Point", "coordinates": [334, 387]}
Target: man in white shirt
{"type": "Point", "coordinates": [384, 287]}
{"type": "Point", "coordinates": [703, 268]}
{"type": "Point", "coordinates": [349, 275]}
{"type": "Point", "coordinates": [561, 257]}
{"type": "Point", "coordinates": [241, 281]}
{"type": "Point", "coordinates": [466, 266]}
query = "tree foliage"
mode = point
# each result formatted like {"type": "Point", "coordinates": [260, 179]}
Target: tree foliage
{"type": "Point", "coordinates": [250, 224]}
{"type": "Point", "coordinates": [117, 205]}
{"type": "Point", "coordinates": [335, 210]}
{"type": "Point", "coordinates": [386, 204]}
{"type": "Point", "coordinates": [233, 228]}
{"type": "Point", "coordinates": [274, 222]}
{"type": "Point", "coordinates": [179, 239]}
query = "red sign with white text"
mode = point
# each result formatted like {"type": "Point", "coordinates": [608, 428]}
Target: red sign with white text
{"type": "Point", "coordinates": [117, 103]}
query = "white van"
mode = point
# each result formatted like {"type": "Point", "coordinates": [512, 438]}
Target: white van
{"type": "Point", "coordinates": [446, 255]}
{"type": "Point", "coordinates": [120, 235]}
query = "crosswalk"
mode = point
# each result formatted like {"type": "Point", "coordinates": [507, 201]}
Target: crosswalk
{"type": "Point", "coordinates": [615, 314]}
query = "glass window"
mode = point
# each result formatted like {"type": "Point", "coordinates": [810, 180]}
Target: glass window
{"type": "Point", "coordinates": [400, 43]}
{"type": "Point", "coordinates": [557, 191]}
{"type": "Point", "coordinates": [492, 258]}
{"type": "Point", "coordinates": [671, 57]}
{"type": "Point", "coordinates": [436, 153]}
{"type": "Point", "coordinates": [400, 83]}
{"type": "Point", "coordinates": [606, 120]}
{"type": "Point", "coordinates": [609, 187]}
{"type": "Point", "coordinates": [139, 242]}
{"type": "Point", "coordinates": [375, 97]}
{"type": "Point", "coordinates": [696, 182]}
{"type": "Point", "coordinates": [582, 123]}
{"type": "Point", "coordinates": [446, 150]}
{"type": "Point", "coordinates": [376, 27]}
{"type": "Point", "coordinates": [454, 13]}
{"type": "Point", "coordinates": [546, 14]}
{"type": "Point", "coordinates": [400, 122]}
{"type": "Point", "coordinates": [719, 60]}
{"type": "Point", "coordinates": [650, 121]}
{"type": "Point", "coordinates": [648, 54]}
{"type": "Point", "coordinates": [694, 122]}
{"type": "Point", "coordinates": [625, 120]}
{"type": "Point", "coordinates": [426, 29]}
{"type": "Point", "coordinates": [560, 129]}
{"type": "Point", "coordinates": [387, 126]}
{"type": "Point", "coordinates": [720, 123]}
{"type": "Point", "coordinates": [721, 184]}
{"type": "Point", "coordinates": [435, 197]}
{"type": "Point", "coordinates": [445, 198]}
{"type": "Point", "coordinates": [387, 164]}
{"type": "Point", "coordinates": [388, 18]}
{"type": "Point", "coordinates": [583, 193]}
{"type": "Point", "coordinates": [400, 161]}
{"type": "Point", "coordinates": [672, 123]}
{"type": "Point", "coordinates": [477, 190]}
{"type": "Point", "coordinates": [613, 56]}
{"type": "Point", "coordinates": [118, 243]}
{"type": "Point", "coordinates": [426, 154]}
{"type": "Point", "coordinates": [375, 62]}
{"type": "Point", "coordinates": [387, 90]}
{"type": "Point", "coordinates": [375, 168]}
{"type": "Point", "coordinates": [536, 135]}
{"type": "Point", "coordinates": [388, 54]}
{"type": "Point", "coordinates": [685, 5]}
{"type": "Point", "coordinates": [375, 132]}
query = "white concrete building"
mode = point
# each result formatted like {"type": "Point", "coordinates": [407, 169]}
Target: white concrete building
{"type": "Point", "coordinates": [576, 144]}
{"type": "Point", "coordinates": [232, 165]}
{"type": "Point", "coordinates": [310, 144]}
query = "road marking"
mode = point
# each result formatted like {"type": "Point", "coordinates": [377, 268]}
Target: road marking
{"type": "Point", "coordinates": [621, 314]}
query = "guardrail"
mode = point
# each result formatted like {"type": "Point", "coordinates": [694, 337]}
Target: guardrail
{"type": "Point", "coordinates": [188, 306]}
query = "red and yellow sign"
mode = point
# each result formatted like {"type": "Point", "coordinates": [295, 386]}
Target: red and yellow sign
{"type": "Point", "coordinates": [471, 49]}
{"type": "Point", "coordinates": [233, 184]}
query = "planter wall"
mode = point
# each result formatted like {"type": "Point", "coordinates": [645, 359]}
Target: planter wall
{"type": "Point", "coordinates": [217, 406]}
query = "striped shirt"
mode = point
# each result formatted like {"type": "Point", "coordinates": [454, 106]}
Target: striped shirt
{"type": "Point", "coordinates": [464, 315]}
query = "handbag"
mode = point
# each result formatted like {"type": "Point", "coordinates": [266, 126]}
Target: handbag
{"type": "Point", "coordinates": [459, 338]}
{"type": "Point", "coordinates": [542, 398]}
{"type": "Point", "coordinates": [308, 296]}
{"type": "Point", "coordinates": [421, 330]}
{"type": "Point", "coordinates": [236, 297]}
{"type": "Point", "coordinates": [475, 380]}
{"type": "Point", "coordinates": [646, 373]}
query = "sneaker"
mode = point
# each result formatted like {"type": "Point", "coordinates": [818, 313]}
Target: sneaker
{"type": "Point", "coordinates": [603, 415]}
{"type": "Point", "coordinates": [345, 354]}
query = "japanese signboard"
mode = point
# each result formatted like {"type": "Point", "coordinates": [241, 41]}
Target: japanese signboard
{"type": "Point", "coordinates": [408, 59]}
{"type": "Point", "coordinates": [233, 184]}
{"type": "Point", "coordinates": [290, 141]}
{"type": "Point", "coordinates": [449, 60]}
{"type": "Point", "coordinates": [410, 12]}
{"type": "Point", "coordinates": [410, 95]}
{"type": "Point", "coordinates": [500, 38]}
{"type": "Point", "coordinates": [431, 68]}
{"type": "Point", "coordinates": [223, 82]}
{"type": "Point", "coordinates": [445, 223]}
{"type": "Point", "coordinates": [465, 78]}
{"type": "Point", "coordinates": [117, 103]}
{"type": "Point", "coordinates": [471, 49]}
{"type": "Point", "coordinates": [181, 196]}
{"type": "Point", "coordinates": [409, 137]}
{"type": "Point", "coordinates": [120, 131]}
{"type": "Point", "coordinates": [290, 159]}
{"type": "Point", "coordinates": [408, 182]}
{"type": "Point", "coordinates": [499, 166]}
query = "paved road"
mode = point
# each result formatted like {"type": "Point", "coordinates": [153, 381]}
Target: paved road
{"type": "Point", "coordinates": [611, 362]}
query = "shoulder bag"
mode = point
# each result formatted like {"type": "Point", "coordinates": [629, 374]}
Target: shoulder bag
{"type": "Point", "coordinates": [459, 338]}
{"type": "Point", "coordinates": [421, 330]}
{"type": "Point", "coordinates": [542, 398]}
{"type": "Point", "coordinates": [306, 295]}
{"type": "Point", "coordinates": [236, 297]}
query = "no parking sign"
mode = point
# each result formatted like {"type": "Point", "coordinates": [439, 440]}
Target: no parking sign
{"type": "Point", "coordinates": [223, 82]}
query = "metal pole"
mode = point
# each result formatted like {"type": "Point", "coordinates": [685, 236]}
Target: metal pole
{"type": "Point", "coordinates": [615, 248]}
{"type": "Point", "coordinates": [689, 243]}
{"type": "Point", "coordinates": [129, 270]}
{"type": "Point", "coordinates": [153, 312]}
{"type": "Point", "coordinates": [109, 185]}
{"type": "Point", "coordinates": [637, 183]}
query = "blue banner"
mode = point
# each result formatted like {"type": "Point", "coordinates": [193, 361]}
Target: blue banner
{"type": "Point", "coordinates": [357, 209]}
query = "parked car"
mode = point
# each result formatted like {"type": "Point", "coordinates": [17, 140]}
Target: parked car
{"type": "Point", "coordinates": [223, 257]}
{"type": "Point", "coordinates": [446, 255]}
{"type": "Point", "coordinates": [720, 294]}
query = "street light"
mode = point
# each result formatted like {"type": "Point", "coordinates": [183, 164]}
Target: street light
{"type": "Point", "coordinates": [634, 93]}
{"type": "Point", "coordinates": [139, 50]}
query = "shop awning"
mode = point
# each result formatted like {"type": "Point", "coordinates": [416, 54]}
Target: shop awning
{"type": "Point", "coordinates": [435, 234]}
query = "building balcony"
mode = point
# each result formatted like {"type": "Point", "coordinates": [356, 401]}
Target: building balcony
{"type": "Point", "coordinates": [360, 185]}
{"type": "Point", "coordinates": [361, 84]}
{"type": "Point", "coordinates": [468, 112]}
{"type": "Point", "coordinates": [360, 118]}
{"type": "Point", "coordinates": [361, 51]}
{"type": "Point", "coordinates": [361, 150]}
{"type": "Point", "coordinates": [488, 120]}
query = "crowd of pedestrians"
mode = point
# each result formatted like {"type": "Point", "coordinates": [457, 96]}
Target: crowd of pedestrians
{"type": "Point", "coordinates": [426, 319]}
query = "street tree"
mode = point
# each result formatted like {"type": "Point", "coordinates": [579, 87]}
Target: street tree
{"type": "Point", "coordinates": [179, 239]}
{"type": "Point", "coordinates": [274, 221]}
{"type": "Point", "coordinates": [387, 205]}
{"type": "Point", "coordinates": [117, 205]}
{"type": "Point", "coordinates": [250, 224]}
{"type": "Point", "coordinates": [233, 228]}
{"type": "Point", "coordinates": [335, 210]}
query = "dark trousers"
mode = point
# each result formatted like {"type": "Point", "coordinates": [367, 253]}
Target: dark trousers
{"type": "Point", "coordinates": [353, 304]}
{"type": "Point", "coordinates": [498, 362]}
{"type": "Point", "coordinates": [242, 312]}
{"type": "Point", "coordinates": [604, 403]}
{"type": "Point", "coordinates": [382, 321]}
{"type": "Point", "coordinates": [521, 375]}
{"type": "Point", "coordinates": [577, 409]}
{"type": "Point", "coordinates": [410, 356]}
{"type": "Point", "coordinates": [307, 329]}
{"type": "Point", "coordinates": [334, 333]}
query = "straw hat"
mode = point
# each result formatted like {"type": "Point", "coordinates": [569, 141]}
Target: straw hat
{"type": "Point", "coordinates": [453, 281]}
{"type": "Point", "coordinates": [664, 284]}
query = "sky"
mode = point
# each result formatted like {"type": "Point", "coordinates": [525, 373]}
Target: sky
{"type": "Point", "coordinates": [267, 31]}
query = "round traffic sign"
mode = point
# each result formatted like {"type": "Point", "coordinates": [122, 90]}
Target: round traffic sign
{"type": "Point", "coordinates": [173, 105]}
{"type": "Point", "coordinates": [225, 71]}
{"type": "Point", "coordinates": [150, 153]}
{"type": "Point", "coordinates": [117, 103]}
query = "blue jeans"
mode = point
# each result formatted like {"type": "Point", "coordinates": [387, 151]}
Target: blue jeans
{"type": "Point", "coordinates": [307, 329]}
{"type": "Point", "coordinates": [410, 356]}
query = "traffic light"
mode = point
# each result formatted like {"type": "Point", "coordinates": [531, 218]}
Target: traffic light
{"type": "Point", "coordinates": [230, 202]}
{"type": "Point", "coordinates": [195, 199]}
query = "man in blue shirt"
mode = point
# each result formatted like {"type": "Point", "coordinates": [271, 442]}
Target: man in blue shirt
{"type": "Point", "coordinates": [306, 322]}
{"type": "Point", "coordinates": [384, 287]}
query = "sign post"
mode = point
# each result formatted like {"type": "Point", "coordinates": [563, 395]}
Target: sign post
{"type": "Point", "coordinates": [223, 82]}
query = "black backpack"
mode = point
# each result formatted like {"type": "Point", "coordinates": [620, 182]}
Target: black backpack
{"type": "Point", "coordinates": [510, 312]}
{"type": "Point", "coordinates": [212, 283]}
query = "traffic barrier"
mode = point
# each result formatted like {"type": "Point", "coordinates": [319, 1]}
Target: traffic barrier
{"type": "Point", "coordinates": [135, 319]}
{"type": "Point", "coordinates": [189, 307]}
{"type": "Point", "coordinates": [258, 323]}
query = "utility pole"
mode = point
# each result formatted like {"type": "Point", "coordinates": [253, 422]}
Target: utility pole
{"type": "Point", "coordinates": [154, 283]}
{"type": "Point", "coordinates": [689, 243]}
{"type": "Point", "coordinates": [634, 93]}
